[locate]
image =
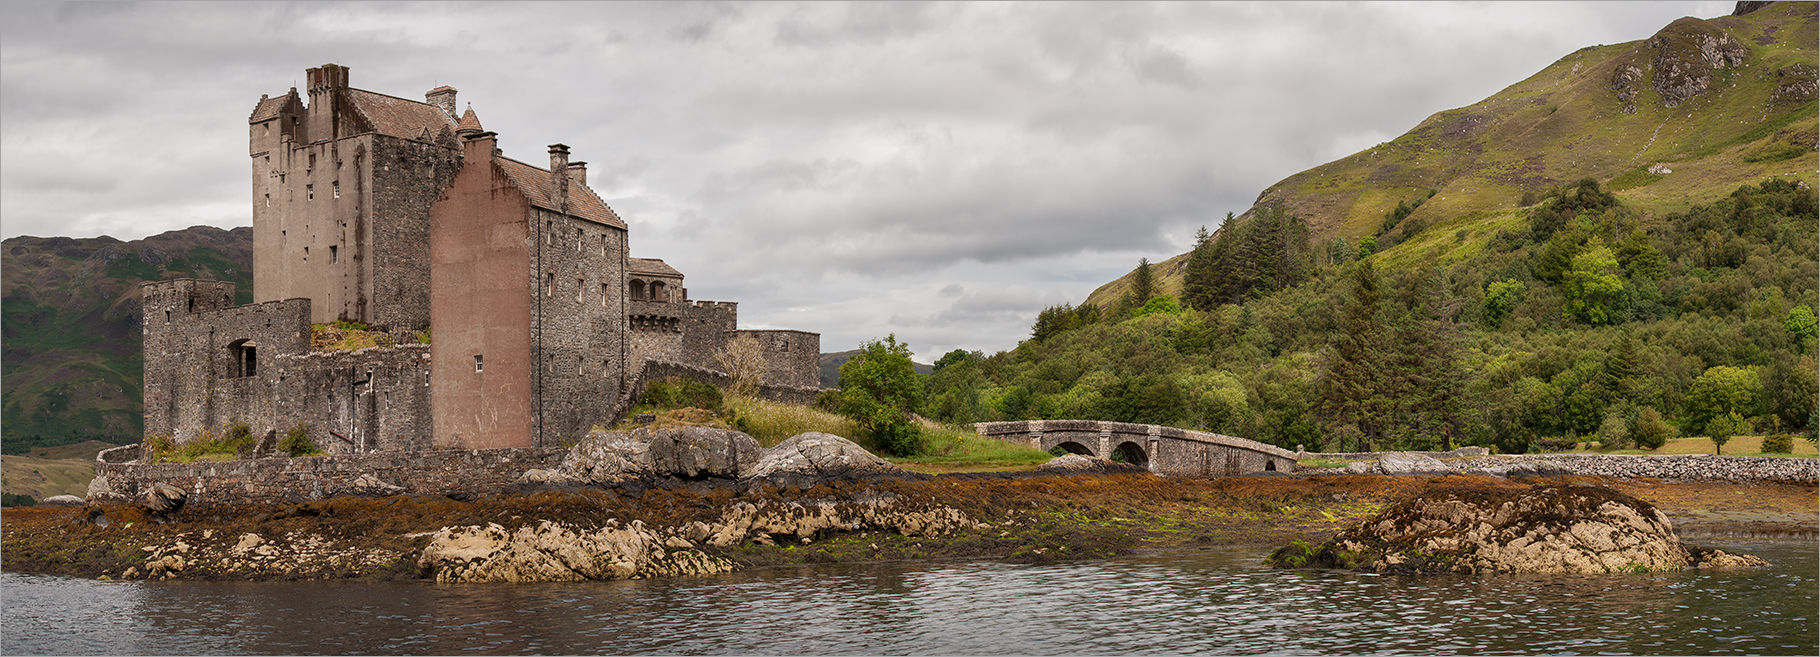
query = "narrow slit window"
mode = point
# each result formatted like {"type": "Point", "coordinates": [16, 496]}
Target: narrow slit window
{"type": "Point", "coordinates": [603, 294]}
{"type": "Point", "coordinates": [306, 254]}
{"type": "Point", "coordinates": [334, 254]}
{"type": "Point", "coordinates": [603, 244]}
{"type": "Point", "coordinates": [580, 284]}
{"type": "Point", "coordinates": [309, 192]}
{"type": "Point", "coordinates": [578, 237]}
{"type": "Point", "coordinates": [268, 199]}
{"type": "Point", "coordinates": [549, 232]}
{"type": "Point", "coordinates": [549, 284]}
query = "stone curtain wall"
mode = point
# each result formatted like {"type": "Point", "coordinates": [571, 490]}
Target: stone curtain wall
{"type": "Point", "coordinates": [432, 472]}
{"type": "Point", "coordinates": [792, 358]}
{"type": "Point", "coordinates": [658, 370]}
{"type": "Point", "coordinates": [193, 375]}
{"type": "Point", "coordinates": [705, 325]}
{"type": "Point", "coordinates": [375, 399]}
{"type": "Point", "coordinates": [1166, 450]}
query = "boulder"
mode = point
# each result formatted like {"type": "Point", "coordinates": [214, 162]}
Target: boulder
{"type": "Point", "coordinates": [608, 457]}
{"type": "Point", "coordinates": [1402, 463]}
{"type": "Point", "coordinates": [1083, 464]}
{"type": "Point", "coordinates": [371, 486]}
{"type": "Point", "coordinates": [1546, 529]}
{"type": "Point", "coordinates": [102, 490]}
{"type": "Point", "coordinates": [551, 552]}
{"type": "Point", "coordinates": [162, 498]}
{"type": "Point", "coordinates": [807, 459]}
{"type": "Point", "coordinates": [62, 500]}
{"type": "Point", "coordinates": [697, 452]}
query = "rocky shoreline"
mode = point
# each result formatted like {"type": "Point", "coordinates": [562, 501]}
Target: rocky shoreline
{"type": "Point", "coordinates": [1687, 467]}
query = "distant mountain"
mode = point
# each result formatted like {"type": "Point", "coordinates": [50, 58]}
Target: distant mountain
{"type": "Point", "coordinates": [1709, 105]}
{"type": "Point", "coordinates": [71, 359]}
{"type": "Point", "coordinates": [831, 367]}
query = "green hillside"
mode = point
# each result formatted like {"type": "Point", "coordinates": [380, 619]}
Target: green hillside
{"type": "Point", "coordinates": [1620, 248]}
{"type": "Point", "coordinates": [1720, 103]}
{"type": "Point", "coordinates": [72, 366]}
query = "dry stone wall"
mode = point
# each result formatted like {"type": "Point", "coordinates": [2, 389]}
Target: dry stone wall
{"type": "Point", "coordinates": [432, 472]}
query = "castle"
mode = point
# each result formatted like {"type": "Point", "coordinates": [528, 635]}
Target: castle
{"type": "Point", "coordinates": [407, 218]}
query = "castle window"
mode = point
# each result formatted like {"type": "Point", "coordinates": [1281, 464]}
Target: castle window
{"type": "Point", "coordinates": [549, 232]}
{"type": "Point", "coordinates": [549, 284]}
{"type": "Point", "coordinates": [334, 254]}
{"type": "Point", "coordinates": [268, 199]}
{"type": "Point", "coordinates": [603, 294]}
{"type": "Point", "coordinates": [638, 290]}
{"type": "Point", "coordinates": [306, 254]}
{"type": "Point", "coordinates": [578, 240]}
{"type": "Point", "coordinates": [426, 378]}
{"type": "Point", "coordinates": [312, 163]}
{"type": "Point", "coordinates": [603, 244]}
{"type": "Point", "coordinates": [580, 284]}
{"type": "Point", "coordinates": [246, 357]}
{"type": "Point", "coordinates": [337, 188]}
{"type": "Point", "coordinates": [657, 291]}
{"type": "Point", "coordinates": [783, 345]}
{"type": "Point", "coordinates": [309, 192]}
{"type": "Point", "coordinates": [478, 365]}
{"type": "Point", "coordinates": [167, 316]}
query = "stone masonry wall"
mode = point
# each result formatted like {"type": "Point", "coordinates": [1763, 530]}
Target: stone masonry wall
{"type": "Point", "coordinates": [792, 358]}
{"type": "Point", "coordinates": [579, 334]}
{"type": "Point", "coordinates": [195, 369]}
{"type": "Point", "coordinates": [705, 331]}
{"type": "Point", "coordinates": [375, 399]}
{"type": "Point", "coordinates": [407, 176]}
{"type": "Point", "coordinates": [433, 472]}
{"type": "Point", "coordinates": [658, 370]}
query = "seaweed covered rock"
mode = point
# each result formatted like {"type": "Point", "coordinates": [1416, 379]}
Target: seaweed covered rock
{"type": "Point", "coordinates": [1546, 529]}
{"type": "Point", "coordinates": [1083, 464]}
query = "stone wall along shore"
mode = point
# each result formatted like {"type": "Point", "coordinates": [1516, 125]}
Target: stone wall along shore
{"type": "Point", "coordinates": [1670, 466]}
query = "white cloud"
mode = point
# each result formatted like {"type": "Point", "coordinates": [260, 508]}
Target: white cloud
{"type": "Point", "coordinates": [940, 171]}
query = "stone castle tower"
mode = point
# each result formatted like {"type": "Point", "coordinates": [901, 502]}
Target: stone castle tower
{"type": "Point", "coordinates": [402, 216]}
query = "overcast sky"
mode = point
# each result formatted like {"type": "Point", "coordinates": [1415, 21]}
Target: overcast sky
{"type": "Point", "coordinates": [941, 171]}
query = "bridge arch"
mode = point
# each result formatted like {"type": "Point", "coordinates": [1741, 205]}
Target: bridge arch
{"type": "Point", "coordinates": [1131, 452]}
{"type": "Point", "coordinates": [1072, 447]}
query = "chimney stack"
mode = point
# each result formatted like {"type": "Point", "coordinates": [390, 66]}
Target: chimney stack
{"type": "Point", "coordinates": [559, 176]}
{"type": "Point", "coordinates": [443, 98]}
{"type": "Point", "coordinates": [479, 146]}
{"type": "Point", "coordinates": [578, 172]}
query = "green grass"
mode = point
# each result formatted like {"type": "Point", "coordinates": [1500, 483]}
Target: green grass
{"type": "Point", "coordinates": [1324, 463]}
{"type": "Point", "coordinates": [772, 422]}
{"type": "Point", "coordinates": [1738, 446]}
{"type": "Point", "coordinates": [953, 449]}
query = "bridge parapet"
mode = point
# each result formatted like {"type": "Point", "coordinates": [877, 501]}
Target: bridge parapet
{"type": "Point", "coordinates": [1172, 451]}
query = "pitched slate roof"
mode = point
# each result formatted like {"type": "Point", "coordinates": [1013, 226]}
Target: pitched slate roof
{"type": "Point", "coordinates": [269, 106]}
{"type": "Point", "coordinates": [396, 116]}
{"type": "Point", "coordinates": [651, 267]}
{"type": "Point", "coordinates": [534, 182]}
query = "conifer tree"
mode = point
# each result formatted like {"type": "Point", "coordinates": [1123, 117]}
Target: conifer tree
{"type": "Point", "coordinates": [1143, 285]}
{"type": "Point", "coordinates": [1355, 395]}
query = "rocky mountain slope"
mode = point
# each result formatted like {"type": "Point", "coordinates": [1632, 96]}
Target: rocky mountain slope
{"type": "Point", "coordinates": [1683, 117]}
{"type": "Point", "coordinates": [71, 321]}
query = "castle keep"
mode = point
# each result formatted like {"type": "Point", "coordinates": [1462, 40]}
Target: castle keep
{"type": "Point", "coordinates": [407, 218]}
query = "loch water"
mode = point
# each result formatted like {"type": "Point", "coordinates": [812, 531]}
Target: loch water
{"type": "Point", "coordinates": [1215, 601]}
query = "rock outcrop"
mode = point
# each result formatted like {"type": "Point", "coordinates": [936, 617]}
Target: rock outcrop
{"type": "Point", "coordinates": [697, 452]}
{"type": "Point", "coordinates": [554, 552]}
{"type": "Point", "coordinates": [62, 500]}
{"type": "Point", "coordinates": [812, 458]}
{"type": "Point", "coordinates": [1083, 464]}
{"type": "Point", "coordinates": [162, 498]}
{"type": "Point", "coordinates": [1400, 463]}
{"type": "Point", "coordinates": [1550, 529]}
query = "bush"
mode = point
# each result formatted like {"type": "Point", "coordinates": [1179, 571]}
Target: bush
{"type": "Point", "coordinates": [879, 388]}
{"type": "Point", "coordinates": [1649, 430]}
{"type": "Point", "coordinates": [1557, 444]}
{"type": "Point", "coordinates": [1614, 432]}
{"type": "Point", "coordinates": [297, 442]}
{"type": "Point", "coordinates": [16, 499]}
{"type": "Point", "coordinates": [1782, 443]}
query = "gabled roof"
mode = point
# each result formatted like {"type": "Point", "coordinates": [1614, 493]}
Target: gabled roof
{"type": "Point", "coordinates": [651, 267]}
{"type": "Point", "coordinates": [269, 106]}
{"type": "Point", "coordinates": [534, 183]}
{"type": "Point", "coordinates": [396, 116]}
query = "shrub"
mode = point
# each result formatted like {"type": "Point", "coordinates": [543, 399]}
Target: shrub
{"type": "Point", "coordinates": [676, 392]}
{"type": "Point", "coordinates": [879, 388]}
{"type": "Point", "coordinates": [1557, 444]}
{"type": "Point", "coordinates": [17, 499]}
{"type": "Point", "coordinates": [297, 442]}
{"type": "Point", "coordinates": [1782, 443]}
{"type": "Point", "coordinates": [1614, 432]}
{"type": "Point", "coordinates": [1649, 430]}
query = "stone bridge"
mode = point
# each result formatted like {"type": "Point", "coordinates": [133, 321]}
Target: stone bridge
{"type": "Point", "coordinates": [1166, 451]}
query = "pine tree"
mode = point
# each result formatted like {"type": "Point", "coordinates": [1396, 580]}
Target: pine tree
{"type": "Point", "coordinates": [1143, 285]}
{"type": "Point", "coordinates": [1197, 277]}
{"type": "Point", "coordinates": [1427, 381]}
{"type": "Point", "coordinates": [1354, 393]}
